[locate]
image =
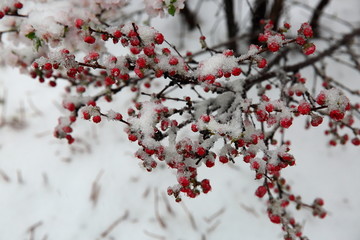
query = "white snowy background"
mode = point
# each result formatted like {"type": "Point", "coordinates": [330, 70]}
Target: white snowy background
{"type": "Point", "coordinates": [46, 186]}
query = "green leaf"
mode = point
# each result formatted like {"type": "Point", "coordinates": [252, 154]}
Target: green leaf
{"type": "Point", "coordinates": [171, 10]}
{"type": "Point", "coordinates": [31, 35]}
{"type": "Point", "coordinates": [37, 44]}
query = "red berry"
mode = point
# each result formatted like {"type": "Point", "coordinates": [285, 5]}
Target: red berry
{"type": "Point", "coordinates": [355, 141]}
{"type": "Point", "coordinates": [262, 37]}
{"type": "Point", "coordinates": [89, 39]}
{"type": "Point", "coordinates": [285, 122]}
{"type": "Point", "coordinates": [304, 108]}
{"type": "Point", "coordinates": [52, 84]}
{"type": "Point", "coordinates": [236, 71]}
{"type": "Point", "coordinates": [132, 137]}
{"type": "Point", "coordinates": [141, 62]}
{"type": "Point", "coordinates": [309, 48]}
{"type": "Point", "coordinates": [205, 118]}
{"type": "Point", "coordinates": [194, 128]}
{"type": "Point", "coordinates": [262, 63]}
{"type": "Point", "coordinates": [2, 14]}
{"type": "Point", "coordinates": [223, 159]}
{"type": "Point", "coordinates": [184, 181]}
{"type": "Point", "coordinates": [321, 99]}
{"type": "Point", "coordinates": [47, 66]}
{"type": "Point", "coordinates": [319, 201]}
{"type": "Point", "coordinates": [273, 46]}
{"type": "Point", "coordinates": [118, 116]}
{"type": "Point", "coordinates": [308, 32]}
{"type": "Point", "coordinates": [260, 191]}
{"type": "Point", "coordinates": [269, 107]}
{"type": "Point", "coordinates": [149, 51]}
{"type": "Point", "coordinates": [18, 5]}
{"type": "Point", "coordinates": [135, 50]}
{"type": "Point", "coordinates": [96, 119]}
{"type": "Point", "coordinates": [275, 219]}
{"type": "Point", "coordinates": [173, 61]}
{"type": "Point", "coordinates": [337, 115]}
{"type": "Point", "coordinates": [300, 40]}
{"type": "Point", "coordinates": [316, 120]}
{"type": "Point", "coordinates": [209, 163]}
{"type": "Point", "coordinates": [228, 53]}
{"type": "Point", "coordinates": [70, 106]}
{"type": "Point", "coordinates": [201, 151]}
{"type": "Point", "coordinates": [159, 38]}
{"type": "Point", "coordinates": [70, 139]}
{"type": "Point", "coordinates": [79, 22]}
{"type": "Point", "coordinates": [117, 34]}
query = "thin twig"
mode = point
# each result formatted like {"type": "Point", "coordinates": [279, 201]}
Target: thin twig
{"type": "Point", "coordinates": [115, 224]}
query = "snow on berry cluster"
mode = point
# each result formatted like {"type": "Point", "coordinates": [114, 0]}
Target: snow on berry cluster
{"type": "Point", "coordinates": [337, 103]}
{"type": "Point", "coordinates": [162, 7]}
{"type": "Point", "coordinates": [225, 126]}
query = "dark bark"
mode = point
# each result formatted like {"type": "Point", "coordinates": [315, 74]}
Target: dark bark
{"type": "Point", "coordinates": [232, 27]}
{"type": "Point", "coordinates": [258, 13]}
{"type": "Point", "coordinates": [316, 16]}
{"type": "Point", "coordinates": [276, 12]}
{"type": "Point", "coordinates": [189, 17]}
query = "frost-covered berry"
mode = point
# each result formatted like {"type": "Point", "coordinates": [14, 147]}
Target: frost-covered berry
{"type": "Point", "coordinates": [273, 46]}
{"type": "Point", "coordinates": [304, 108]}
{"type": "Point", "coordinates": [159, 38]}
{"type": "Point", "coordinates": [173, 61]}
{"type": "Point", "coordinates": [262, 63]}
{"type": "Point", "coordinates": [262, 37]}
{"type": "Point", "coordinates": [205, 118]}
{"type": "Point", "coordinates": [286, 122]}
{"type": "Point", "coordinates": [183, 181]}
{"type": "Point", "coordinates": [201, 151]}
{"type": "Point", "coordinates": [194, 128]}
{"type": "Point", "coordinates": [236, 71]}
{"type": "Point", "coordinates": [309, 48]}
{"type": "Point", "coordinates": [316, 120]}
{"type": "Point", "coordinates": [319, 201]}
{"type": "Point", "coordinates": [337, 115]}
{"type": "Point", "coordinates": [260, 191]}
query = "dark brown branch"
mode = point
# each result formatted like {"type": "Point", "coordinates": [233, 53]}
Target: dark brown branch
{"type": "Point", "coordinates": [316, 16]}
{"type": "Point", "coordinates": [310, 61]}
{"type": "Point", "coordinates": [259, 13]}
{"type": "Point", "coordinates": [232, 27]}
{"type": "Point", "coordinates": [189, 17]}
{"type": "Point", "coordinates": [276, 11]}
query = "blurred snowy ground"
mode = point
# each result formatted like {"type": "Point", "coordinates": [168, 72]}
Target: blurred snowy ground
{"type": "Point", "coordinates": [94, 189]}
